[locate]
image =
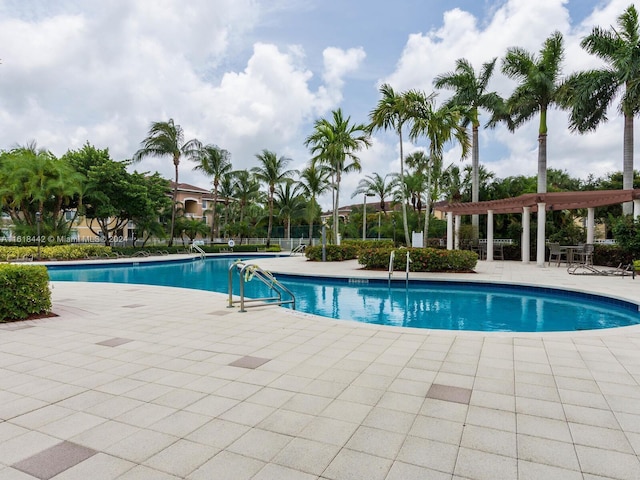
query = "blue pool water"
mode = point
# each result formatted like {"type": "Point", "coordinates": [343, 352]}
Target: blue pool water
{"type": "Point", "coordinates": [425, 304]}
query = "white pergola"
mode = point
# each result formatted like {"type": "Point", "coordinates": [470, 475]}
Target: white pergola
{"type": "Point", "coordinates": [538, 203]}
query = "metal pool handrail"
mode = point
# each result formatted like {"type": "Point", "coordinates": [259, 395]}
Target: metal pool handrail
{"type": "Point", "coordinates": [246, 273]}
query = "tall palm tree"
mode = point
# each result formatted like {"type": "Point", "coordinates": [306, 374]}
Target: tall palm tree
{"type": "Point", "coordinates": [214, 162]}
{"type": "Point", "coordinates": [334, 143]}
{"type": "Point", "coordinates": [314, 180]}
{"type": "Point", "coordinates": [591, 92]}
{"type": "Point", "coordinates": [272, 172]}
{"type": "Point", "coordinates": [471, 94]}
{"type": "Point", "coordinates": [167, 139]}
{"type": "Point", "coordinates": [538, 90]}
{"type": "Point", "coordinates": [440, 126]}
{"type": "Point", "coordinates": [392, 112]}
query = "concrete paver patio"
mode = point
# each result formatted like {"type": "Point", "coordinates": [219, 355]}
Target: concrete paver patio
{"type": "Point", "coordinates": [141, 382]}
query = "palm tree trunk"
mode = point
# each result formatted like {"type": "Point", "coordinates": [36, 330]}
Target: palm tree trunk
{"type": "Point", "coordinates": [542, 153]}
{"type": "Point", "coordinates": [627, 161]}
{"type": "Point", "coordinates": [213, 214]}
{"type": "Point", "coordinates": [405, 224]}
{"type": "Point", "coordinates": [336, 217]}
{"type": "Point", "coordinates": [270, 219]}
{"type": "Point", "coordinates": [475, 179]}
{"type": "Point", "coordinates": [173, 207]}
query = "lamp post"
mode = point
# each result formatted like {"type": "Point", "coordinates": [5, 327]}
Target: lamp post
{"type": "Point", "coordinates": [38, 220]}
{"type": "Point", "coordinates": [394, 230]}
{"type": "Point", "coordinates": [364, 215]}
{"type": "Point", "coordinates": [324, 239]}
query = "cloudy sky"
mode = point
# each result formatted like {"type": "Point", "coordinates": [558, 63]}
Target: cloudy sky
{"type": "Point", "coordinates": [249, 75]}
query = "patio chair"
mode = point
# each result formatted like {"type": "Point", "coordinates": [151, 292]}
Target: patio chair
{"type": "Point", "coordinates": [584, 256]}
{"type": "Point", "coordinates": [556, 254]}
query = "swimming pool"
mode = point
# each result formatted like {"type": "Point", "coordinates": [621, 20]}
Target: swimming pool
{"type": "Point", "coordinates": [448, 305]}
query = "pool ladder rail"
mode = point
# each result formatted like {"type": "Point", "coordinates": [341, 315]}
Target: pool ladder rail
{"type": "Point", "coordinates": [199, 250]}
{"type": "Point", "coordinates": [250, 271]}
{"type": "Point", "coordinates": [391, 259]}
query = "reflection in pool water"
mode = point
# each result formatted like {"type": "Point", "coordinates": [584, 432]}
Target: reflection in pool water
{"type": "Point", "coordinates": [425, 304]}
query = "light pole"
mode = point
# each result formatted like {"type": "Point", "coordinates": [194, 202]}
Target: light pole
{"type": "Point", "coordinates": [364, 215]}
{"type": "Point", "coordinates": [324, 239]}
{"type": "Point", "coordinates": [38, 219]}
{"type": "Point", "coordinates": [394, 230]}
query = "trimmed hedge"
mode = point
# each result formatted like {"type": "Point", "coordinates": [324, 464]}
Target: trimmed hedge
{"type": "Point", "coordinates": [58, 252]}
{"type": "Point", "coordinates": [362, 245]}
{"type": "Point", "coordinates": [24, 291]}
{"type": "Point", "coordinates": [422, 259]}
{"type": "Point", "coordinates": [335, 253]}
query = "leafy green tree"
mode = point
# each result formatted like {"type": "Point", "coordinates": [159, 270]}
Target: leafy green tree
{"type": "Point", "coordinates": [214, 162]}
{"type": "Point", "coordinates": [334, 143]}
{"type": "Point", "coordinates": [147, 220]}
{"type": "Point", "coordinates": [272, 171]}
{"type": "Point", "coordinates": [34, 181]}
{"type": "Point", "coordinates": [471, 94]}
{"type": "Point", "coordinates": [589, 94]}
{"type": "Point", "coordinates": [167, 139]}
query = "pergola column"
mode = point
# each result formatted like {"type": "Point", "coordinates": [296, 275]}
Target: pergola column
{"type": "Point", "coordinates": [525, 242]}
{"type": "Point", "coordinates": [489, 235]}
{"type": "Point", "coordinates": [591, 224]}
{"type": "Point", "coordinates": [449, 231]}
{"type": "Point", "coordinates": [456, 244]}
{"type": "Point", "coordinates": [540, 240]}
{"type": "Point", "coordinates": [636, 208]}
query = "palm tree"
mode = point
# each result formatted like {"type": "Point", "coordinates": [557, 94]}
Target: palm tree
{"type": "Point", "coordinates": [539, 89]}
{"type": "Point", "coordinates": [214, 162]}
{"type": "Point", "coordinates": [375, 185]}
{"type": "Point", "coordinates": [440, 126]}
{"type": "Point", "coordinates": [290, 203]}
{"type": "Point", "coordinates": [167, 139]}
{"type": "Point", "coordinates": [393, 111]}
{"type": "Point", "coordinates": [334, 143]}
{"type": "Point", "coordinates": [246, 190]}
{"type": "Point", "coordinates": [314, 181]}
{"type": "Point", "coordinates": [591, 92]}
{"type": "Point", "coordinates": [471, 94]}
{"type": "Point", "coordinates": [272, 172]}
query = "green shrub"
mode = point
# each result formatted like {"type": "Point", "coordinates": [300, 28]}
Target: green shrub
{"type": "Point", "coordinates": [24, 291]}
{"type": "Point", "coordinates": [335, 253]}
{"type": "Point", "coordinates": [367, 244]}
{"type": "Point", "coordinates": [422, 259]}
{"type": "Point", "coordinates": [57, 252]}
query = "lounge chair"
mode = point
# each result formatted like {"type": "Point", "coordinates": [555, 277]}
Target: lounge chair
{"type": "Point", "coordinates": [588, 269]}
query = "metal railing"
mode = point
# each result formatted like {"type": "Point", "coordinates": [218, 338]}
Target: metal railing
{"type": "Point", "coordinates": [198, 249]}
{"type": "Point", "coordinates": [246, 273]}
{"type": "Point", "coordinates": [299, 249]}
